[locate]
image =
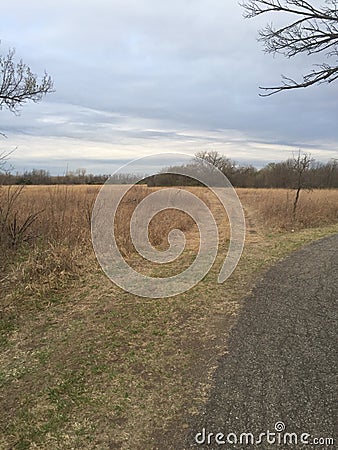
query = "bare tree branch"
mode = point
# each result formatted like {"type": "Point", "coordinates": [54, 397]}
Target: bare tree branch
{"type": "Point", "coordinates": [326, 74]}
{"type": "Point", "coordinates": [18, 84]}
{"type": "Point", "coordinates": [314, 30]}
{"type": "Point", "coordinates": [4, 156]}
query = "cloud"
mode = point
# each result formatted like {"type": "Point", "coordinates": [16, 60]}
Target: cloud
{"type": "Point", "coordinates": [132, 77]}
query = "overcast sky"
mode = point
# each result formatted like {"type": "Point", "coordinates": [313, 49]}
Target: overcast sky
{"type": "Point", "coordinates": [138, 77]}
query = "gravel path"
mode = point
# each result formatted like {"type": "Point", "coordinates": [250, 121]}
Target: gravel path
{"type": "Point", "coordinates": [281, 363]}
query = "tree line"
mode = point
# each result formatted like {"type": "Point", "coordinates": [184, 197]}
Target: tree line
{"type": "Point", "coordinates": [301, 169]}
{"type": "Point", "coordinates": [79, 176]}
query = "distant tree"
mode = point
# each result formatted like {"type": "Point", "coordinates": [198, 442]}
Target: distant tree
{"type": "Point", "coordinates": [314, 29]}
{"type": "Point", "coordinates": [324, 175]}
{"type": "Point", "coordinates": [331, 175]}
{"type": "Point", "coordinates": [244, 176]}
{"type": "Point", "coordinates": [215, 159]}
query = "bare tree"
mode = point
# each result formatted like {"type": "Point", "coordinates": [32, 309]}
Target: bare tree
{"type": "Point", "coordinates": [313, 29]}
{"type": "Point", "coordinates": [18, 84]}
{"type": "Point", "coordinates": [300, 165]}
{"type": "Point", "coordinates": [215, 159]}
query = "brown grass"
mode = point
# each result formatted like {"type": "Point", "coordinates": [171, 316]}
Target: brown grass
{"type": "Point", "coordinates": [55, 246]}
{"type": "Point", "coordinates": [272, 208]}
{"type": "Point", "coordinates": [86, 365]}
{"type": "Point", "coordinates": [159, 227]}
{"type": "Point", "coordinates": [64, 214]}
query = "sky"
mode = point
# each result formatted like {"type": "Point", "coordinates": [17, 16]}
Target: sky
{"type": "Point", "coordinates": [139, 77]}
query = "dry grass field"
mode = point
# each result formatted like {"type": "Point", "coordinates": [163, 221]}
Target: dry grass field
{"type": "Point", "coordinates": [86, 365]}
{"type": "Point", "coordinates": [273, 208]}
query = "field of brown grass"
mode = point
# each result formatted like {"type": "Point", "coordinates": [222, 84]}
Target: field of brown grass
{"type": "Point", "coordinates": [87, 365]}
{"type": "Point", "coordinates": [64, 213]}
{"type": "Point", "coordinates": [273, 208]}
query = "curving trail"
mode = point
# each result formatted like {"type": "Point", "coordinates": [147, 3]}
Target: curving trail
{"type": "Point", "coordinates": [281, 363]}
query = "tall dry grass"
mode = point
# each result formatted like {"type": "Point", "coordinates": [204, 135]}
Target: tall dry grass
{"type": "Point", "coordinates": [53, 248]}
{"type": "Point", "coordinates": [62, 213]}
{"type": "Point", "coordinates": [56, 244]}
{"type": "Point", "coordinates": [159, 226]}
{"type": "Point", "coordinates": [273, 208]}
{"type": "Point", "coordinates": [48, 227]}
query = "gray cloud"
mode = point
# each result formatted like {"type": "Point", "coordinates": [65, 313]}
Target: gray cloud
{"type": "Point", "coordinates": [130, 75]}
